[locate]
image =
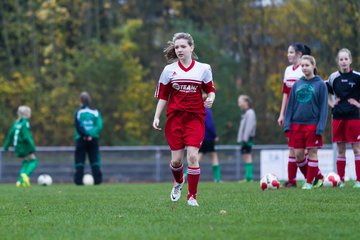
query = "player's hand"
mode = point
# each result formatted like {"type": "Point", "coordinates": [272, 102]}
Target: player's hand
{"type": "Point", "coordinates": [337, 100]}
{"type": "Point", "coordinates": [354, 102]}
{"type": "Point", "coordinates": [281, 121]}
{"type": "Point", "coordinates": [156, 123]}
{"type": "Point", "coordinates": [208, 102]}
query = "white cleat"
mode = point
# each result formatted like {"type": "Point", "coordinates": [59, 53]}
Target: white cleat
{"type": "Point", "coordinates": [192, 202]}
{"type": "Point", "coordinates": [176, 191]}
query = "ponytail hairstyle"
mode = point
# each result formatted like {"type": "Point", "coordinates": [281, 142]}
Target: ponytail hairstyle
{"type": "Point", "coordinates": [169, 51]}
{"type": "Point", "coordinates": [311, 59]}
{"type": "Point", "coordinates": [85, 98]}
{"type": "Point", "coordinates": [301, 48]}
{"type": "Point", "coordinates": [247, 99]}
{"type": "Point", "coordinates": [343, 50]}
{"type": "Point", "coordinates": [24, 112]}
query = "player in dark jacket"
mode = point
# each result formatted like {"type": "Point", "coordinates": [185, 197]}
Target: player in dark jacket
{"type": "Point", "coordinates": [88, 124]}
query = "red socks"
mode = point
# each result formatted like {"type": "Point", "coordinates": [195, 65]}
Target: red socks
{"type": "Point", "coordinates": [312, 170]}
{"type": "Point", "coordinates": [178, 173]}
{"type": "Point", "coordinates": [357, 167]}
{"type": "Point", "coordinates": [193, 180]}
{"type": "Point", "coordinates": [303, 166]}
{"type": "Point", "coordinates": [340, 167]}
{"type": "Point", "coordinates": [292, 169]}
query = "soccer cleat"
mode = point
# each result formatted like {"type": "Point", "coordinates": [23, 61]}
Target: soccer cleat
{"type": "Point", "coordinates": [288, 185]}
{"type": "Point", "coordinates": [192, 202]}
{"type": "Point", "coordinates": [26, 180]}
{"type": "Point", "coordinates": [176, 191]}
{"type": "Point", "coordinates": [341, 184]}
{"type": "Point", "coordinates": [307, 186]}
{"type": "Point", "coordinates": [318, 182]}
{"type": "Point", "coordinates": [357, 184]}
{"type": "Point", "coordinates": [18, 184]}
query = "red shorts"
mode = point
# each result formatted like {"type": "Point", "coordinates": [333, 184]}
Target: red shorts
{"type": "Point", "coordinates": [184, 129]}
{"type": "Point", "coordinates": [287, 135]}
{"type": "Point", "coordinates": [346, 130]}
{"type": "Point", "coordinates": [303, 136]}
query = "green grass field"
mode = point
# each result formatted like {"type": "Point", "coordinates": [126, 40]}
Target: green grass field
{"type": "Point", "coordinates": [144, 211]}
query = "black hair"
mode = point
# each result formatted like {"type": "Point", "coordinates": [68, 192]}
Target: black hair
{"type": "Point", "coordinates": [299, 47]}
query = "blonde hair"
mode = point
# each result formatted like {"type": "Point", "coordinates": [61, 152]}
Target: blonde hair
{"type": "Point", "coordinates": [247, 99]}
{"type": "Point", "coordinates": [312, 60]}
{"type": "Point", "coordinates": [24, 111]}
{"type": "Point", "coordinates": [169, 51]}
{"type": "Point", "coordinates": [343, 50]}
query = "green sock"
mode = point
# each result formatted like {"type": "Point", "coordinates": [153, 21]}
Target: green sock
{"type": "Point", "coordinates": [216, 172]}
{"type": "Point", "coordinates": [32, 164]}
{"type": "Point", "coordinates": [23, 170]}
{"type": "Point", "coordinates": [249, 171]}
{"type": "Point", "coordinates": [185, 173]}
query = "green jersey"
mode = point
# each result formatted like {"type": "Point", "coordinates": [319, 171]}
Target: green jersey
{"type": "Point", "coordinates": [88, 122]}
{"type": "Point", "coordinates": [20, 137]}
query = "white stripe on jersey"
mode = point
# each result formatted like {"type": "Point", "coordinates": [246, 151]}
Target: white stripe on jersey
{"type": "Point", "coordinates": [87, 110]}
{"type": "Point", "coordinates": [291, 75]}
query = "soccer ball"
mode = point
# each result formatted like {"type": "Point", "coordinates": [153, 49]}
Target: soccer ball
{"type": "Point", "coordinates": [331, 180]}
{"type": "Point", "coordinates": [88, 180]}
{"type": "Point", "coordinates": [44, 180]}
{"type": "Point", "coordinates": [269, 181]}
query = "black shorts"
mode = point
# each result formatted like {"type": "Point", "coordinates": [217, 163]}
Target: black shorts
{"type": "Point", "coordinates": [246, 147]}
{"type": "Point", "coordinates": [207, 146]}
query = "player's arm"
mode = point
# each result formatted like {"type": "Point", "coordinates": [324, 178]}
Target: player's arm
{"type": "Point", "coordinates": [159, 108]}
{"type": "Point", "coordinates": [79, 128]}
{"type": "Point", "coordinates": [289, 109]}
{"type": "Point", "coordinates": [323, 96]}
{"type": "Point", "coordinates": [354, 102]}
{"type": "Point", "coordinates": [209, 100]}
{"type": "Point", "coordinates": [95, 131]}
{"type": "Point", "coordinates": [27, 134]}
{"type": "Point", "coordinates": [250, 124]}
{"type": "Point", "coordinates": [8, 139]}
{"type": "Point", "coordinates": [282, 110]}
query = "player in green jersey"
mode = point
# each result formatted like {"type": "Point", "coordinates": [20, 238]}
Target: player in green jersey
{"type": "Point", "coordinates": [20, 137]}
{"type": "Point", "coordinates": [88, 124]}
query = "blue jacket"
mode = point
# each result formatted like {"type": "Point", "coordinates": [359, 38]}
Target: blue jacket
{"type": "Point", "coordinates": [210, 133]}
{"type": "Point", "coordinates": [308, 104]}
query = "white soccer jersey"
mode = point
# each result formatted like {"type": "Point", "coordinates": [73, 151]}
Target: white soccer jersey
{"type": "Point", "coordinates": [290, 77]}
{"type": "Point", "coordinates": [182, 87]}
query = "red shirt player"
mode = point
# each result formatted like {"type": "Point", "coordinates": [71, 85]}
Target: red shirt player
{"type": "Point", "coordinates": [180, 87]}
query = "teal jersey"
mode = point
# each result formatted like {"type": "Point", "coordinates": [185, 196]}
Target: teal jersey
{"type": "Point", "coordinates": [88, 122]}
{"type": "Point", "coordinates": [20, 137]}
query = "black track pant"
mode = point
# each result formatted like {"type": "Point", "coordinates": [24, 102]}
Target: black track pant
{"type": "Point", "coordinates": [91, 148]}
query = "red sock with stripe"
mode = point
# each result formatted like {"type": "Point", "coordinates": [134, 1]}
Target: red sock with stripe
{"type": "Point", "coordinates": [303, 166]}
{"type": "Point", "coordinates": [292, 170]}
{"type": "Point", "coordinates": [312, 170]}
{"type": "Point", "coordinates": [193, 180]}
{"type": "Point", "coordinates": [178, 173]}
{"type": "Point", "coordinates": [357, 167]}
{"type": "Point", "coordinates": [319, 174]}
{"type": "Point", "coordinates": [340, 167]}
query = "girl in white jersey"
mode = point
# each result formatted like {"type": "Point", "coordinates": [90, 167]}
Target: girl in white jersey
{"type": "Point", "coordinates": [293, 73]}
{"type": "Point", "coordinates": [180, 87]}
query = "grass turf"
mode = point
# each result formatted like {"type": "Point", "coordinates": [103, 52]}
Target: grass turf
{"type": "Point", "coordinates": [144, 211]}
